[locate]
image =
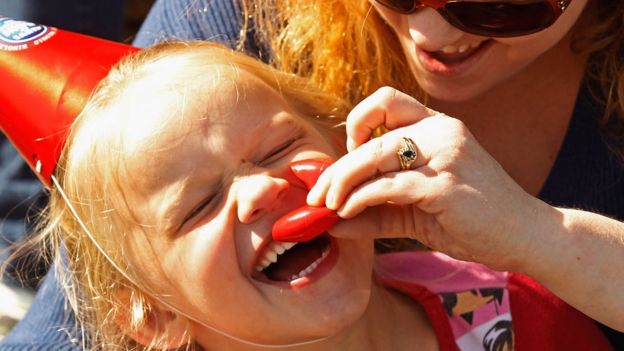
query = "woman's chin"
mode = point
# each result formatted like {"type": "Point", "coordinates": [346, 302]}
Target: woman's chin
{"type": "Point", "coordinates": [453, 92]}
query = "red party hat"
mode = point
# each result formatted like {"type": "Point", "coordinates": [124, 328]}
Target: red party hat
{"type": "Point", "coordinates": [46, 76]}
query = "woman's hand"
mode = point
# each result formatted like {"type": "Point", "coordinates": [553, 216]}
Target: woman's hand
{"type": "Point", "coordinates": [455, 197]}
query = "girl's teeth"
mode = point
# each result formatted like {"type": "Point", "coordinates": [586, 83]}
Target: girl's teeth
{"type": "Point", "coordinates": [275, 249]}
{"type": "Point", "coordinates": [271, 256]}
{"type": "Point", "coordinates": [271, 252]}
{"type": "Point", "coordinates": [280, 249]}
{"type": "Point", "coordinates": [288, 246]}
{"type": "Point", "coordinates": [263, 264]}
{"type": "Point", "coordinates": [312, 266]}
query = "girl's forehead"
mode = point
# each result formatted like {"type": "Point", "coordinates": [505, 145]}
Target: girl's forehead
{"type": "Point", "coordinates": [209, 113]}
{"type": "Point", "coordinates": [173, 105]}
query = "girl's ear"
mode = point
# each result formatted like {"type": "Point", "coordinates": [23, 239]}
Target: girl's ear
{"type": "Point", "coordinates": [149, 322]}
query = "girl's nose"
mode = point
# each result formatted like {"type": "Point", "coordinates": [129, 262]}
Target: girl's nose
{"type": "Point", "coordinates": [259, 194]}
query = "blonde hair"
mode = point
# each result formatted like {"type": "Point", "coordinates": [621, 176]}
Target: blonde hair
{"type": "Point", "coordinates": [89, 174]}
{"type": "Point", "coordinates": [347, 49]}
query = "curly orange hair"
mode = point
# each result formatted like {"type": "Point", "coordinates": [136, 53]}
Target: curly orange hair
{"type": "Point", "coordinates": [347, 49]}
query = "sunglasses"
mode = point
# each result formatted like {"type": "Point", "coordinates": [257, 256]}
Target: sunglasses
{"type": "Point", "coordinates": [489, 19]}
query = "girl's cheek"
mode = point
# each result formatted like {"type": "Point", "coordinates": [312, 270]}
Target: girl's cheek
{"type": "Point", "coordinates": [211, 239]}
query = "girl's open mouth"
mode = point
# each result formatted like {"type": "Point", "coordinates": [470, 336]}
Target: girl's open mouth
{"type": "Point", "coordinates": [286, 262]}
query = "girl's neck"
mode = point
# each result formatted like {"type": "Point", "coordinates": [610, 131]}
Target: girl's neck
{"type": "Point", "coordinates": [523, 121]}
{"type": "Point", "coordinates": [392, 321]}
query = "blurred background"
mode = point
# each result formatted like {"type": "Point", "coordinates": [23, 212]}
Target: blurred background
{"type": "Point", "coordinates": [21, 195]}
{"type": "Point", "coordinates": [111, 19]}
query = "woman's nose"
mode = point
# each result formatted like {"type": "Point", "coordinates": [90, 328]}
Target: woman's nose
{"type": "Point", "coordinates": [259, 194]}
{"type": "Point", "coordinates": [428, 28]}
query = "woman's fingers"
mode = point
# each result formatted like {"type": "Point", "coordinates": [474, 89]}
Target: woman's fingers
{"type": "Point", "coordinates": [401, 188]}
{"type": "Point", "coordinates": [391, 152]}
{"type": "Point", "coordinates": [386, 221]}
{"type": "Point", "coordinates": [375, 157]}
{"type": "Point", "coordinates": [386, 107]}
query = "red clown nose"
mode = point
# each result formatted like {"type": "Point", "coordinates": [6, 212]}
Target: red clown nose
{"type": "Point", "coordinates": [46, 76]}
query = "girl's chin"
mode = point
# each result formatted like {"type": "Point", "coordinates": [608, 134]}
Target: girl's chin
{"type": "Point", "coordinates": [301, 323]}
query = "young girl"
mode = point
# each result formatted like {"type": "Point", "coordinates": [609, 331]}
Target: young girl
{"type": "Point", "coordinates": [164, 200]}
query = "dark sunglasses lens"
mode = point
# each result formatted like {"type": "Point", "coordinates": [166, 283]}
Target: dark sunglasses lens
{"type": "Point", "coordinates": [401, 6]}
{"type": "Point", "coordinates": [499, 19]}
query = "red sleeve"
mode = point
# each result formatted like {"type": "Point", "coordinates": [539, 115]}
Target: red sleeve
{"type": "Point", "coordinates": [541, 321]}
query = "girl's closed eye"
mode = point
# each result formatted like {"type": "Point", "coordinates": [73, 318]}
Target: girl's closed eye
{"type": "Point", "coordinates": [205, 204]}
{"type": "Point", "coordinates": [274, 155]}
{"type": "Point", "coordinates": [278, 152]}
{"type": "Point", "coordinates": [281, 150]}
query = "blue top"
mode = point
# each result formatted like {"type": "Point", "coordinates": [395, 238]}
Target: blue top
{"type": "Point", "coordinates": [586, 175]}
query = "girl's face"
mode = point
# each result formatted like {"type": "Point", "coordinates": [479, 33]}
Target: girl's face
{"type": "Point", "coordinates": [207, 176]}
{"type": "Point", "coordinates": [452, 65]}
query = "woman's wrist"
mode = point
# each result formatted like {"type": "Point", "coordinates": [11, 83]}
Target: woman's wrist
{"type": "Point", "coordinates": [530, 239]}
{"type": "Point", "coordinates": [561, 241]}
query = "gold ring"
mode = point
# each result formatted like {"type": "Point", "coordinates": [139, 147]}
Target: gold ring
{"type": "Point", "coordinates": [407, 153]}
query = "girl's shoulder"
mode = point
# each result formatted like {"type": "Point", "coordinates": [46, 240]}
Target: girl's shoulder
{"type": "Point", "coordinates": [472, 307]}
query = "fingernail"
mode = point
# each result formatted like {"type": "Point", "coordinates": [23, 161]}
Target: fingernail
{"type": "Point", "coordinates": [349, 145]}
{"type": "Point", "coordinates": [330, 201]}
{"type": "Point", "coordinates": [312, 198]}
{"type": "Point", "coordinates": [341, 213]}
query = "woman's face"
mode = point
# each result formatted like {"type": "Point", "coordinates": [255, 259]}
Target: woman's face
{"type": "Point", "coordinates": [452, 65]}
{"type": "Point", "coordinates": [207, 177]}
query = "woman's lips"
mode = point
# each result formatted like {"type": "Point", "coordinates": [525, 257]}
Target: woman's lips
{"type": "Point", "coordinates": [449, 62]}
